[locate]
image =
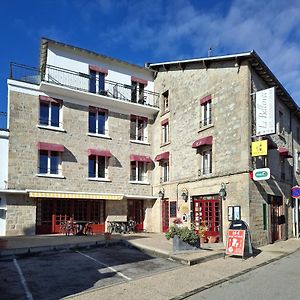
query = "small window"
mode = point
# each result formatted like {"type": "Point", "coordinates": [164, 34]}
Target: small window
{"type": "Point", "coordinates": [138, 171]}
{"type": "Point", "coordinates": [98, 167]}
{"type": "Point", "coordinates": [165, 99]}
{"type": "Point", "coordinates": [173, 209]}
{"type": "Point", "coordinates": [49, 162]}
{"type": "Point", "coordinates": [280, 123]}
{"type": "Point", "coordinates": [165, 171]}
{"type": "Point", "coordinates": [282, 169]}
{"type": "Point", "coordinates": [98, 121]}
{"type": "Point", "coordinates": [206, 116]}
{"type": "Point", "coordinates": [50, 113]}
{"type": "Point", "coordinates": [165, 131]}
{"type": "Point", "coordinates": [298, 135]}
{"type": "Point", "coordinates": [297, 162]}
{"type": "Point", "coordinates": [138, 128]}
{"type": "Point", "coordinates": [206, 161]}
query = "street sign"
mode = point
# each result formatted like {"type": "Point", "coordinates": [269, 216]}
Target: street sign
{"type": "Point", "coordinates": [295, 191]}
{"type": "Point", "coordinates": [260, 148]}
{"type": "Point", "coordinates": [235, 242]}
{"type": "Point", "coordinates": [262, 174]}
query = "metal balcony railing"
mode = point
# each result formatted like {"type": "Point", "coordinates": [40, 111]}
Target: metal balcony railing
{"type": "Point", "coordinates": [82, 82]}
{"type": "Point", "coordinates": [3, 120]}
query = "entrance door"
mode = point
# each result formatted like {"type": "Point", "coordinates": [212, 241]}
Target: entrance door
{"type": "Point", "coordinates": [136, 213]}
{"type": "Point", "coordinates": [165, 215]}
{"type": "Point", "coordinates": [207, 213]}
{"type": "Point", "coordinates": [276, 218]}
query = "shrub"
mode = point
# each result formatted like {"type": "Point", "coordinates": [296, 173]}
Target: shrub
{"type": "Point", "coordinates": [184, 233]}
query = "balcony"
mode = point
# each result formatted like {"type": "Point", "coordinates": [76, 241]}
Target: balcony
{"type": "Point", "coordinates": [82, 82]}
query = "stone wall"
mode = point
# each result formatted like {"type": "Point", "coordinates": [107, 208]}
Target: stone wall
{"type": "Point", "coordinates": [21, 215]}
{"type": "Point", "coordinates": [23, 153]}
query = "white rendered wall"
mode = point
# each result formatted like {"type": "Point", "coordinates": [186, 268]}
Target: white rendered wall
{"type": "Point", "coordinates": [3, 158]}
{"type": "Point", "coordinates": [3, 175]}
{"type": "Point", "coordinates": [117, 71]}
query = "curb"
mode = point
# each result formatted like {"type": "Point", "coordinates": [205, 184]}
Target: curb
{"type": "Point", "coordinates": [170, 256]}
{"type": "Point", "coordinates": [27, 251]}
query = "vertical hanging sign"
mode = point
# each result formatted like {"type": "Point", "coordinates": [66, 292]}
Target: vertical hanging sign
{"type": "Point", "coordinates": [265, 112]}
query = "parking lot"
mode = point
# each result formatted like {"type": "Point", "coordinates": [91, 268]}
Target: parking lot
{"type": "Point", "coordinates": [59, 274]}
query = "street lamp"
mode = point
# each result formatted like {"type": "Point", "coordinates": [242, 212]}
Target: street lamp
{"type": "Point", "coordinates": [161, 193]}
{"type": "Point", "coordinates": [222, 192]}
{"type": "Point", "coordinates": [185, 194]}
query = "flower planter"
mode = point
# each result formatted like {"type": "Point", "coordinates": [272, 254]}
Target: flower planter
{"type": "Point", "coordinates": [212, 239]}
{"type": "Point", "coordinates": [180, 245]}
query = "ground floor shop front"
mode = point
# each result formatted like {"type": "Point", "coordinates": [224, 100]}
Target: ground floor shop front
{"type": "Point", "coordinates": [46, 213]}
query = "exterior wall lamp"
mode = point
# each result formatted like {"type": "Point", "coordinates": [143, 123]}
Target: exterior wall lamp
{"type": "Point", "coordinates": [185, 194]}
{"type": "Point", "coordinates": [161, 193]}
{"type": "Point", "coordinates": [222, 192]}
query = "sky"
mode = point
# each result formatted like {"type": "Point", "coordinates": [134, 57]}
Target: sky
{"type": "Point", "coordinates": [140, 31]}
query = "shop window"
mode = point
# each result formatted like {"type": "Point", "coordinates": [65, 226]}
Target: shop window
{"type": "Point", "coordinates": [49, 162]}
{"type": "Point", "coordinates": [138, 171]}
{"type": "Point", "coordinates": [138, 128]}
{"type": "Point", "coordinates": [98, 121]}
{"type": "Point", "coordinates": [98, 167]}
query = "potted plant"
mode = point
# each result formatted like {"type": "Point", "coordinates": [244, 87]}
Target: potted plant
{"type": "Point", "coordinates": [201, 232]}
{"type": "Point", "coordinates": [183, 238]}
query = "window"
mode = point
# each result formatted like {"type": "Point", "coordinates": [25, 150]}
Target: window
{"type": "Point", "coordinates": [137, 92]}
{"type": "Point", "coordinates": [165, 171]}
{"type": "Point", "coordinates": [49, 162]}
{"type": "Point", "coordinates": [138, 171]}
{"type": "Point", "coordinates": [298, 135]}
{"type": "Point", "coordinates": [297, 162]}
{"type": "Point", "coordinates": [165, 100]}
{"type": "Point", "coordinates": [206, 115]}
{"type": "Point", "coordinates": [282, 169]}
{"type": "Point", "coordinates": [98, 121]}
{"type": "Point", "coordinates": [206, 162]}
{"type": "Point", "coordinates": [165, 131]}
{"type": "Point", "coordinates": [98, 167]}
{"type": "Point", "coordinates": [50, 112]}
{"type": "Point", "coordinates": [138, 128]}
{"type": "Point", "coordinates": [97, 80]}
{"type": "Point", "coordinates": [280, 123]}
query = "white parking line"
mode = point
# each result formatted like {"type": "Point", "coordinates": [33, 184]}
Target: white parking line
{"type": "Point", "coordinates": [105, 265]}
{"type": "Point", "coordinates": [23, 281]}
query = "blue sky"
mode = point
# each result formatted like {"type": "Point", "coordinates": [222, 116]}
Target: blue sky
{"type": "Point", "coordinates": [140, 31]}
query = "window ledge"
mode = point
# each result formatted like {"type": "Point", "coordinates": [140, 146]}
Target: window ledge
{"type": "Point", "coordinates": [102, 136]}
{"type": "Point", "coordinates": [205, 127]}
{"type": "Point", "coordinates": [165, 112]}
{"type": "Point", "coordinates": [165, 144]}
{"type": "Point", "coordinates": [139, 142]}
{"type": "Point", "coordinates": [51, 128]}
{"type": "Point", "coordinates": [51, 176]}
{"type": "Point", "coordinates": [139, 182]}
{"type": "Point", "coordinates": [98, 179]}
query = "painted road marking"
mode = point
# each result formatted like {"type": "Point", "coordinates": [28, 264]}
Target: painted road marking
{"type": "Point", "coordinates": [105, 265]}
{"type": "Point", "coordinates": [23, 281]}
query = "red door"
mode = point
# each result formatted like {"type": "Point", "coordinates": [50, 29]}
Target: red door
{"type": "Point", "coordinates": [165, 215]}
{"type": "Point", "coordinates": [207, 214]}
{"type": "Point", "coordinates": [136, 213]}
{"type": "Point", "coordinates": [275, 216]}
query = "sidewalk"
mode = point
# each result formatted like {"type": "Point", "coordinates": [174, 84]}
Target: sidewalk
{"type": "Point", "coordinates": [188, 280]}
{"type": "Point", "coordinates": [151, 243]}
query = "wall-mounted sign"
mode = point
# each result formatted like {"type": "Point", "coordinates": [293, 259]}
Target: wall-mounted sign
{"type": "Point", "coordinates": [234, 213]}
{"type": "Point", "coordinates": [261, 174]}
{"type": "Point", "coordinates": [265, 111]}
{"type": "Point", "coordinates": [260, 148]}
{"type": "Point", "coordinates": [295, 191]}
